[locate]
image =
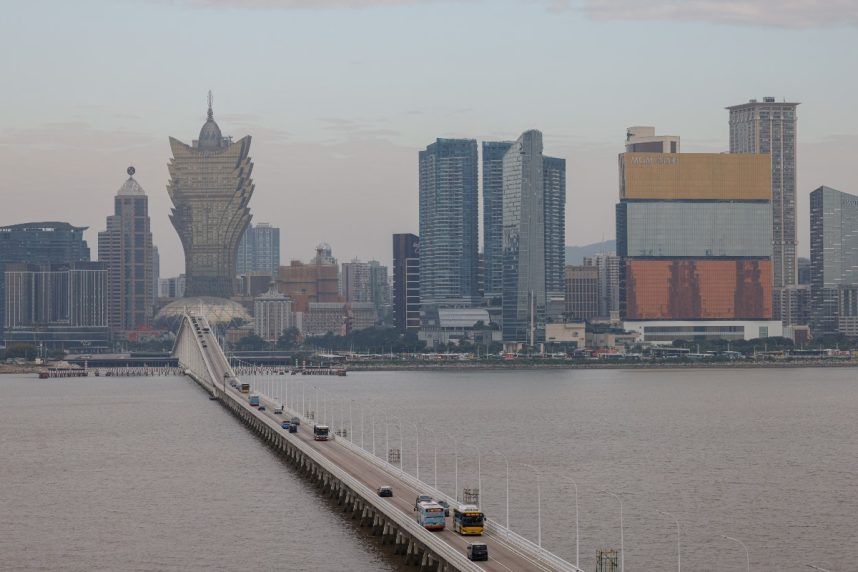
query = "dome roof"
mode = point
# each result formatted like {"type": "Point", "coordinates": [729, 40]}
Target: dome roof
{"type": "Point", "coordinates": [210, 136]}
{"type": "Point", "coordinates": [218, 311]}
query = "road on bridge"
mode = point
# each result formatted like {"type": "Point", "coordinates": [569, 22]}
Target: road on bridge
{"type": "Point", "coordinates": [502, 557]}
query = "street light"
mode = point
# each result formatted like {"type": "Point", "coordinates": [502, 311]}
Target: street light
{"type": "Point", "coordinates": [622, 551]}
{"type": "Point", "coordinates": [743, 545]}
{"type": "Point", "coordinates": [571, 480]}
{"type": "Point", "coordinates": [538, 503]}
{"type": "Point", "coordinates": [506, 460]}
{"type": "Point", "coordinates": [678, 547]}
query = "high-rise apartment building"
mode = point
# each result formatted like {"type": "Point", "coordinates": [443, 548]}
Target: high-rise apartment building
{"type": "Point", "coordinates": [493, 153]}
{"type": "Point", "coordinates": [406, 282]}
{"type": "Point", "coordinates": [693, 236]}
{"type": "Point", "coordinates": [449, 224]}
{"type": "Point", "coordinates": [210, 187]}
{"type": "Point", "coordinates": [156, 273]}
{"type": "Point", "coordinates": [608, 266]}
{"type": "Point", "coordinates": [355, 281]}
{"type": "Point", "coordinates": [582, 293]}
{"type": "Point", "coordinates": [125, 248]}
{"type": "Point", "coordinates": [61, 306]}
{"type": "Point", "coordinates": [833, 261]}
{"type": "Point", "coordinates": [259, 250]}
{"type": "Point", "coordinates": [769, 127]}
{"type": "Point", "coordinates": [554, 209]}
{"type": "Point", "coordinates": [39, 243]}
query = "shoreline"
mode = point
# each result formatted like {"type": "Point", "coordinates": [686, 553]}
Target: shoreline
{"type": "Point", "coordinates": [643, 366]}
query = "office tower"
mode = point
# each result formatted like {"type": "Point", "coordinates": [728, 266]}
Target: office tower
{"type": "Point", "coordinates": [210, 187]}
{"type": "Point", "coordinates": [272, 315]}
{"type": "Point", "coordinates": [693, 235]}
{"type": "Point", "coordinates": [406, 282]}
{"type": "Point", "coordinates": [769, 127]}
{"type": "Point", "coordinates": [608, 266]}
{"type": "Point", "coordinates": [126, 250]}
{"type": "Point", "coordinates": [60, 306]}
{"type": "Point", "coordinates": [641, 139]}
{"type": "Point", "coordinates": [318, 281]}
{"type": "Point", "coordinates": [493, 152]}
{"type": "Point", "coordinates": [582, 293]}
{"type": "Point", "coordinates": [524, 299]}
{"type": "Point", "coordinates": [833, 262]}
{"type": "Point", "coordinates": [172, 287]}
{"type": "Point", "coordinates": [39, 243]}
{"type": "Point", "coordinates": [554, 206]}
{"type": "Point", "coordinates": [804, 271]}
{"type": "Point", "coordinates": [448, 224]}
{"type": "Point", "coordinates": [259, 250]}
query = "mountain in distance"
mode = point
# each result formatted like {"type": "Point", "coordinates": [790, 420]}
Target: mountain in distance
{"type": "Point", "coordinates": [575, 254]}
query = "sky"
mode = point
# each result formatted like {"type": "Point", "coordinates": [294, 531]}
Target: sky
{"type": "Point", "coordinates": [340, 95]}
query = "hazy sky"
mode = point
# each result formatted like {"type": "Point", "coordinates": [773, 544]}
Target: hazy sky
{"type": "Point", "coordinates": [339, 95]}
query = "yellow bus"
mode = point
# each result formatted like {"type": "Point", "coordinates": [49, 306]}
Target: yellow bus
{"type": "Point", "coordinates": [468, 519]}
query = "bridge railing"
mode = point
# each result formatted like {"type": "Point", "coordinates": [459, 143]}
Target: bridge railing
{"type": "Point", "coordinates": [513, 540]}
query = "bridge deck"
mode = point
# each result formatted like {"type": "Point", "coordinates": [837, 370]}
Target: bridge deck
{"type": "Point", "coordinates": [503, 556]}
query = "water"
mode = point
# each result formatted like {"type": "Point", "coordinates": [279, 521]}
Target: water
{"type": "Point", "coordinates": [147, 474]}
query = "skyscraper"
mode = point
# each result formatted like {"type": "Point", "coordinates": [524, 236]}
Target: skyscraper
{"type": "Point", "coordinates": [554, 207]}
{"type": "Point", "coordinates": [493, 152]}
{"type": "Point", "coordinates": [582, 293]}
{"type": "Point", "coordinates": [127, 251]}
{"type": "Point", "coordinates": [524, 241]}
{"type": "Point", "coordinates": [449, 224]}
{"type": "Point", "coordinates": [406, 282]}
{"type": "Point", "coordinates": [769, 127]}
{"type": "Point", "coordinates": [833, 262]}
{"type": "Point", "coordinates": [259, 250]}
{"type": "Point", "coordinates": [210, 187]}
{"type": "Point", "coordinates": [608, 266]}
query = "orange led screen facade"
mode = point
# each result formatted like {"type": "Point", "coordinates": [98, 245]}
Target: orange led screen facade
{"type": "Point", "coordinates": [698, 289]}
{"type": "Point", "coordinates": [695, 176]}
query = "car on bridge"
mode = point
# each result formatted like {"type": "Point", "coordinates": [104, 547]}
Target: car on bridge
{"type": "Point", "coordinates": [295, 421]}
{"type": "Point", "coordinates": [478, 551]}
{"type": "Point", "coordinates": [286, 425]}
{"type": "Point", "coordinates": [385, 491]}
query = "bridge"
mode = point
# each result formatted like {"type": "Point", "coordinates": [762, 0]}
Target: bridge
{"type": "Point", "coordinates": [351, 475]}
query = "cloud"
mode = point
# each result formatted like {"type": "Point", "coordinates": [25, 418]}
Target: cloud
{"type": "Point", "coordinates": [777, 13]}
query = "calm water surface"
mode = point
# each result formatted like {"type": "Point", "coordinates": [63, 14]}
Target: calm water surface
{"type": "Point", "coordinates": [147, 474]}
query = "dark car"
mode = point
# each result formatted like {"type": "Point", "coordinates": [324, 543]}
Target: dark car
{"type": "Point", "coordinates": [478, 551]}
{"type": "Point", "coordinates": [420, 499]}
{"type": "Point", "coordinates": [295, 421]}
{"type": "Point", "coordinates": [446, 506]}
{"type": "Point", "coordinates": [385, 491]}
{"type": "Point", "coordinates": [293, 428]}
{"type": "Point", "coordinates": [262, 408]}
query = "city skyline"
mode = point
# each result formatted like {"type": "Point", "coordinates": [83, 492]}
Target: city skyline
{"type": "Point", "coordinates": [310, 152]}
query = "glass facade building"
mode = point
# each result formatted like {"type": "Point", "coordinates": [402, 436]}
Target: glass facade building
{"type": "Point", "coordinates": [259, 250]}
{"type": "Point", "coordinates": [406, 282]}
{"type": "Point", "coordinates": [694, 229]}
{"type": "Point", "coordinates": [554, 208]}
{"type": "Point", "coordinates": [524, 299]}
{"type": "Point", "coordinates": [493, 152]}
{"type": "Point", "coordinates": [833, 257]}
{"type": "Point", "coordinates": [449, 224]}
{"type": "Point", "coordinates": [210, 187]}
{"type": "Point", "coordinates": [702, 289]}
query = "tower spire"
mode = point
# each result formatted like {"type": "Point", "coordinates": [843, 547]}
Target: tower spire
{"type": "Point", "coordinates": [211, 113]}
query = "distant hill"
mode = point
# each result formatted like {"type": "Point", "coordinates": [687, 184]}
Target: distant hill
{"type": "Point", "coordinates": [576, 254]}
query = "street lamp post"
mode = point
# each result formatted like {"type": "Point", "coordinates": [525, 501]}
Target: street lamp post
{"type": "Point", "coordinates": [576, 517]}
{"type": "Point", "coordinates": [538, 504]}
{"type": "Point", "coordinates": [622, 547]}
{"type": "Point", "coordinates": [743, 545]}
{"type": "Point", "coordinates": [678, 546]}
{"type": "Point", "coordinates": [506, 461]}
